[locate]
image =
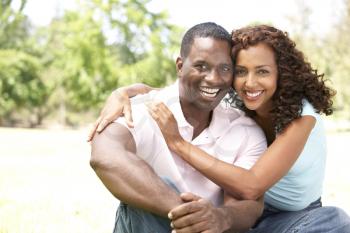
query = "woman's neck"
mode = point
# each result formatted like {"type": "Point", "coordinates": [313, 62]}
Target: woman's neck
{"type": "Point", "coordinates": [263, 113]}
{"type": "Point", "coordinates": [265, 122]}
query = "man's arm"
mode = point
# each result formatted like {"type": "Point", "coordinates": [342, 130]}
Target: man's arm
{"type": "Point", "coordinates": [199, 215]}
{"type": "Point", "coordinates": [126, 176]}
{"type": "Point", "coordinates": [241, 215]}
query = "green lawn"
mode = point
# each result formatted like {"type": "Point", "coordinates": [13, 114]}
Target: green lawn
{"type": "Point", "coordinates": [47, 185]}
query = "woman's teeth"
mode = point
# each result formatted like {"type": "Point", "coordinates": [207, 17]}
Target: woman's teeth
{"type": "Point", "coordinates": [253, 94]}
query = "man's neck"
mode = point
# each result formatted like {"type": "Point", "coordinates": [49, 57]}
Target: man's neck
{"type": "Point", "coordinates": [198, 118]}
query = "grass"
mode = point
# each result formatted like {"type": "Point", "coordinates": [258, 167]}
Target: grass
{"type": "Point", "coordinates": [47, 185]}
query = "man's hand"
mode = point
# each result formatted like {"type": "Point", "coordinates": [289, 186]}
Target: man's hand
{"type": "Point", "coordinates": [196, 215]}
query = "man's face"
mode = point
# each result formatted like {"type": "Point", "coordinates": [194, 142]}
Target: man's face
{"type": "Point", "coordinates": [206, 74]}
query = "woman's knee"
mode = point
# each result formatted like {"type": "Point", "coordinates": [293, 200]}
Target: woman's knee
{"type": "Point", "coordinates": [332, 216]}
{"type": "Point", "coordinates": [336, 212]}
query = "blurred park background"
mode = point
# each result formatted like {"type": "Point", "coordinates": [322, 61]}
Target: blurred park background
{"type": "Point", "coordinates": [55, 73]}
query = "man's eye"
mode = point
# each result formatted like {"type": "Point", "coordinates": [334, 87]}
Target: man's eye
{"type": "Point", "coordinates": [226, 68]}
{"type": "Point", "coordinates": [201, 67]}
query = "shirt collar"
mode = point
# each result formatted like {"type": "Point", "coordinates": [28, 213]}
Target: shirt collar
{"type": "Point", "coordinates": [173, 103]}
{"type": "Point", "coordinates": [219, 122]}
{"type": "Point", "coordinates": [221, 114]}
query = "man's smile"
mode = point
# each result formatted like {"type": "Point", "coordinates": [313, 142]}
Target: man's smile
{"type": "Point", "coordinates": [209, 91]}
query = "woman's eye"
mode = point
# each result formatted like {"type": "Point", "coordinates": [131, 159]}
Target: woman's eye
{"type": "Point", "coordinates": [263, 72]}
{"type": "Point", "coordinates": [239, 72]}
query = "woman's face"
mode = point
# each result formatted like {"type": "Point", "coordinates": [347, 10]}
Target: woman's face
{"type": "Point", "coordinates": [256, 77]}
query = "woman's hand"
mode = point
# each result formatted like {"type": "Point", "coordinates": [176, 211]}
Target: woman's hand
{"type": "Point", "coordinates": [118, 104]}
{"type": "Point", "coordinates": [167, 124]}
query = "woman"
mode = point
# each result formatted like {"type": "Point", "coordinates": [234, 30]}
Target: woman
{"type": "Point", "coordinates": [277, 88]}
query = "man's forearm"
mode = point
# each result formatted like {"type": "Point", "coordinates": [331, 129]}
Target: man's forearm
{"type": "Point", "coordinates": [241, 215]}
{"type": "Point", "coordinates": [129, 178]}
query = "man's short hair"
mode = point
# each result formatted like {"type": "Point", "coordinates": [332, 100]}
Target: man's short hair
{"type": "Point", "coordinates": [204, 30]}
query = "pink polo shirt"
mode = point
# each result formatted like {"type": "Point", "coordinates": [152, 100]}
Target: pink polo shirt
{"type": "Point", "coordinates": [231, 137]}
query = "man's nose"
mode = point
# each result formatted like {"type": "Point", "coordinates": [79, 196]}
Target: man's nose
{"type": "Point", "coordinates": [214, 77]}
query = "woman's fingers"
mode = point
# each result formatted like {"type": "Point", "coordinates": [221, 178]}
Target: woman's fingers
{"type": "Point", "coordinates": [93, 129]}
{"type": "Point", "coordinates": [161, 113]}
{"type": "Point", "coordinates": [117, 105]}
{"type": "Point", "coordinates": [128, 115]}
{"type": "Point", "coordinates": [103, 124]}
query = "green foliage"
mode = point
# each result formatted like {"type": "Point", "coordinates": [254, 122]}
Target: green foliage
{"type": "Point", "coordinates": [338, 61]}
{"type": "Point", "coordinates": [328, 54]}
{"type": "Point", "coordinates": [93, 65]}
{"type": "Point", "coordinates": [144, 41]}
{"type": "Point", "coordinates": [84, 58]}
{"type": "Point", "coordinates": [20, 84]}
{"type": "Point", "coordinates": [23, 93]}
{"type": "Point", "coordinates": [71, 65]}
{"type": "Point", "coordinates": [155, 69]}
{"type": "Point", "coordinates": [14, 25]}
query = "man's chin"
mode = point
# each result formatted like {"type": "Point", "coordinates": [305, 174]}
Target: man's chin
{"type": "Point", "coordinates": [208, 105]}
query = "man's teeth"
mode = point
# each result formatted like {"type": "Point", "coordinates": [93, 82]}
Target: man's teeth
{"type": "Point", "coordinates": [253, 94]}
{"type": "Point", "coordinates": [209, 95]}
{"type": "Point", "coordinates": [209, 92]}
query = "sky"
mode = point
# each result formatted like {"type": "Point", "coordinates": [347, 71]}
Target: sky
{"type": "Point", "coordinates": [228, 13]}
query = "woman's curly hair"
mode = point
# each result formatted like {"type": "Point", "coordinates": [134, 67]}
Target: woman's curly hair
{"type": "Point", "coordinates": [296, 78]}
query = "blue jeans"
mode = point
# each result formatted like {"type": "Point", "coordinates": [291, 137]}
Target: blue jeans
{"type": "Point", "coordinates": [313, 219]}
{"type": "Point", "coordinates": [134, 220]}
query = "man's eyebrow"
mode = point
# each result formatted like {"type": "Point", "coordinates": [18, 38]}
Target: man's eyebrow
{"type": "Point", "coordinates": [227, 64]}
{"type": "Point", "coordinates": [200, 60]}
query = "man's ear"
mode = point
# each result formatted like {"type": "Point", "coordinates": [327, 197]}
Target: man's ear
{"type": "Point", "coordinates": [179, 64]}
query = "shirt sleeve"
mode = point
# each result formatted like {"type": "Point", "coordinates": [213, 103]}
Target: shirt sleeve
{"type": "Point", "coordinates": [142, 121]}
{"type": "Point", "coordinates": [308, 109]}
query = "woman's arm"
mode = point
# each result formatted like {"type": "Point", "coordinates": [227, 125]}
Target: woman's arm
{"type": "Point", "coordinates": [135, 89]}
{"type": "Point", "coordinates": [118, 104]}
{"type": "Point", "coordinates": [280, 156]}
{"type": "Point", "coordinates": [247, 184]}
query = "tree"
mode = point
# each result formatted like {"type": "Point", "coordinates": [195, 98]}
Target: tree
{"type": "Point", "coordinates": [20, 86]}
{"type": "Point", "coordinates": [327, 53]}
{"type": "Point", "coordinates": [338, 60]}
{"type": "Point", "coordinates": [87, 63]}
{"type": "Point", "coordinates": [13, 24]}
{"type": "Point", "coordinates": [144, 41]}
{"type": "Point", "coordinates": [73, 64]}
{"type": "Point", "coordinates": [22, 91]}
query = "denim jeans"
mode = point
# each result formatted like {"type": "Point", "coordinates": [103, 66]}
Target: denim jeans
{"type": "Point", "coordinates": [313, 219]}
{"type": "Point", "coordinates": [134, 220]}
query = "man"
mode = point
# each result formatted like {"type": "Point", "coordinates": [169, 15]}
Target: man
{"type": "Point", "coordinates": [138, 168]}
